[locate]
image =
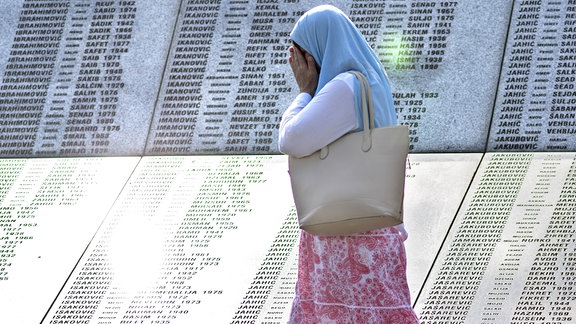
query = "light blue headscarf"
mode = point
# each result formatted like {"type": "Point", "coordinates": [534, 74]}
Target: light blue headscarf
{"type": "Point", "coordinates": [338, 46]}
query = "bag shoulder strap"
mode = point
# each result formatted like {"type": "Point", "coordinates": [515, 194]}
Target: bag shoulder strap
{"type": "Point", "coordinates": [367, 109]}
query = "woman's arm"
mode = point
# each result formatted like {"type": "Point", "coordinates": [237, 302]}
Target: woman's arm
{"type": "Point", "coordinates": [312, 123]}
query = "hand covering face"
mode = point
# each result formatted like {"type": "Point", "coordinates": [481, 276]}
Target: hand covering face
{"type": "Point", "coordinates": [338, 46]}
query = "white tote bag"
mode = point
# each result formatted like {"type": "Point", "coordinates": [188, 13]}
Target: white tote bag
{"type": "Point", "coordinates": [356, 183]}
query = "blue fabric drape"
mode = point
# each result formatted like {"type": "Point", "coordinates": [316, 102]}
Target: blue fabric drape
{"type": "Point", "coordinates": [338, 46]}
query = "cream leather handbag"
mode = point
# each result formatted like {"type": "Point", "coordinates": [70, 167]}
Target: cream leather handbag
{"type": "Point", "coordinates": [356, 183]}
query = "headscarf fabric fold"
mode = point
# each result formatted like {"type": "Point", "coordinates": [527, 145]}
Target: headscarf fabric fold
{"type": "Point", "coordinates": [338, 46]}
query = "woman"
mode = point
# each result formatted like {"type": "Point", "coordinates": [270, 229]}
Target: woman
{"type": "Point", "coordinates": [341, 279]}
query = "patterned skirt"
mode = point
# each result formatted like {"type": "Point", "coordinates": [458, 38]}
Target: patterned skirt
{"type": "Point", "coordinates": [353, 279]}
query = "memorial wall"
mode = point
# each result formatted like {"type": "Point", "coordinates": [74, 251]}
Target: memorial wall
{"type": "Point", "coordinates": [140, 180]}
{"type": "Point", "coordinates": [101, 78]}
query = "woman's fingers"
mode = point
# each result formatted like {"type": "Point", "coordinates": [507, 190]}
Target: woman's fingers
{"type": "Point", "coordinates": [296, 55]}
{"type": "Point", "coordinates": [290, 55]}
{"type": "Point", "coordinates": [304, 68]}
{"type": "Point", "coordinates": [311, 63]}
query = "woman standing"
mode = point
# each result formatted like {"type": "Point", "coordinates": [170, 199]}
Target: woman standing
{"type": "Point", "coordinates": [359, 278]}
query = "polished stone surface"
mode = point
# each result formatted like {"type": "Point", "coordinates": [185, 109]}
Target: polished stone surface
{"type": "Point", "coordinates": [193, 219]}
{"type": "Point", "coordinates": [215, 237]}
{"type": "Point", "coordinates": [509, 256]}
{"type": "Point", "coordinates": [80, 78]}
{"type": "Point", "coordinates": [535, 107]}
{"type": "Point", "coordinates": [49, 211]}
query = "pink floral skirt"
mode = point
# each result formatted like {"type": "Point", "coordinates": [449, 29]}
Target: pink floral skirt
{"type": "Point", "coordinates": [352, 279]}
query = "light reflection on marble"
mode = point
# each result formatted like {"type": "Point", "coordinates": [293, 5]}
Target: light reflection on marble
{"type": "Point", "coordinates": [147, 259]}
{"type": "Point", "coordinates": [65, 201]}
{"type": "Point", "coordinates": [435, 185]}
{"type": "Point", "coordinates": [508, 258]}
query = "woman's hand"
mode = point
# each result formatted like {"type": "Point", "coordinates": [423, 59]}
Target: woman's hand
{"type": "Point", "coordinates": [304, 68]}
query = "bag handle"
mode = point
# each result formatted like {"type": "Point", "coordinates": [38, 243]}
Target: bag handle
{"type": "Point", "coordinates": [367, 110]}
{"type": "Point", "coordinates": [367, 115]}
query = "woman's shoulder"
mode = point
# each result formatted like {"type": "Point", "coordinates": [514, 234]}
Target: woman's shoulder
{"type": "Point", "coordinates": [341, 79]}
{"type": "Point", "coordinates": [345, 76]}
